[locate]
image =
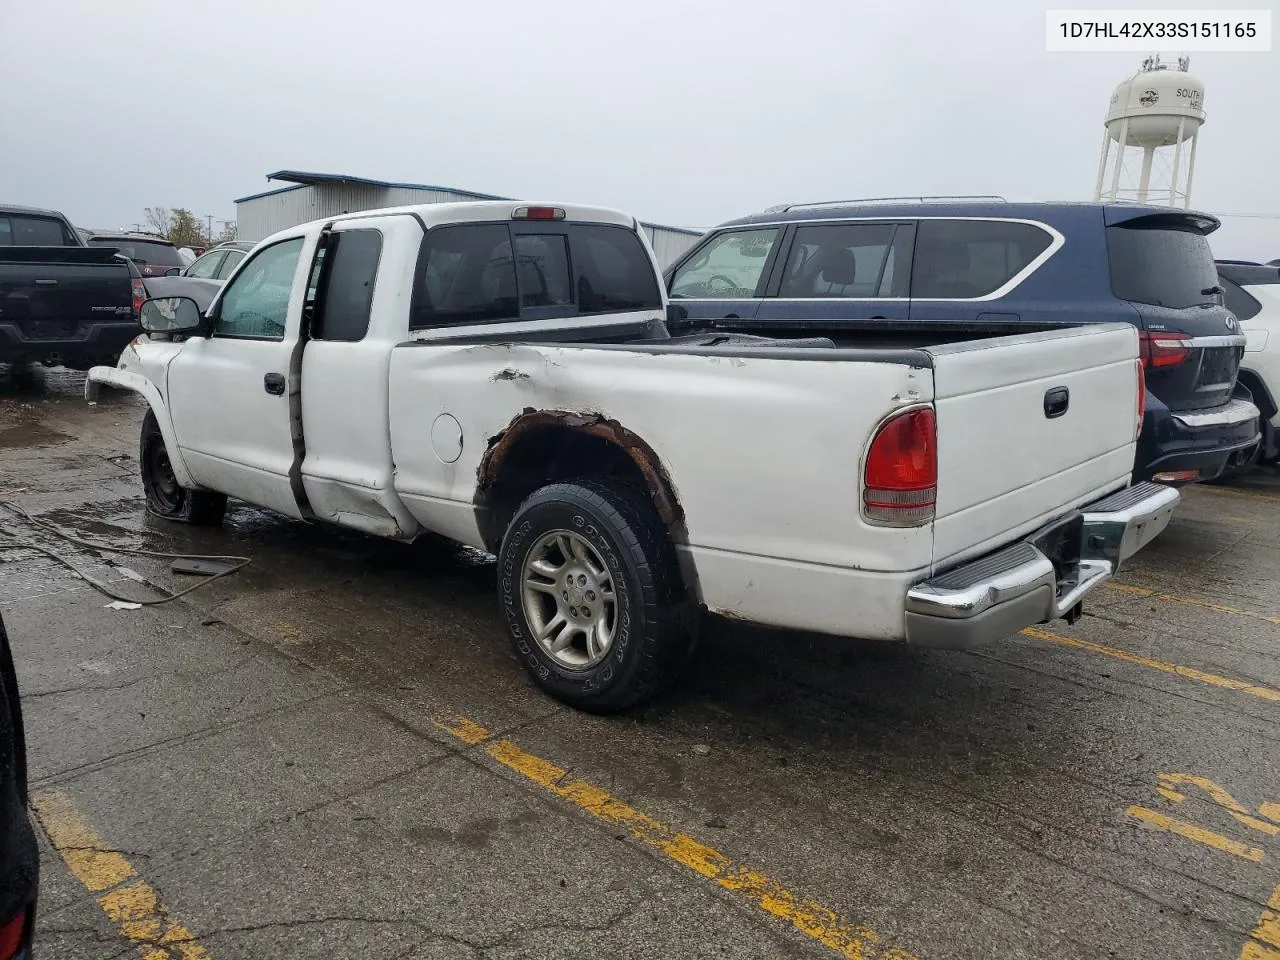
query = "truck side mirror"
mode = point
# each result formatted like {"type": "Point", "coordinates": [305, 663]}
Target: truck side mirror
{"type": "Point", "coordinates": [171, 315]}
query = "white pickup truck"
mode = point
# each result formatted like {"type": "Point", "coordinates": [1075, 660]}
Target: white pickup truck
{"type": "Point", "coordinates": [503, 375]}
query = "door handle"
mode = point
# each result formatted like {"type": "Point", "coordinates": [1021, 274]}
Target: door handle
{"type": "Point", "coordinates": [273, 383]}
{"type": "Point", "coordinates": [1056, 402]}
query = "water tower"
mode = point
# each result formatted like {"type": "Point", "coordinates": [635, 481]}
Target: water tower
{"type": "Point", "coordinates": [1159, 111]}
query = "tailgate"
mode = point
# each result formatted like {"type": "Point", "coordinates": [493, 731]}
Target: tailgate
{"type": "Point", "coordinates": [1010, 457]}
{"type": "Point", "coordinates": [57, 293]}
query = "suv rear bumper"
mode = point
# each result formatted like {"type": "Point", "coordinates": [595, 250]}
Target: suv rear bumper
{"type": "Point", "coordinates": [103, 343]}
{"type": "Point", "coordinates": [1041, 578]}
{"type": "Point", "coordinates": [1207, 441]}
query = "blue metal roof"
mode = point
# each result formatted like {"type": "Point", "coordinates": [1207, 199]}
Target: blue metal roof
{"type": "Point", "coordinates": [302, 178]}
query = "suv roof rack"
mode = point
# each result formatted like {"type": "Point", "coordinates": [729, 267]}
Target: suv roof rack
{"type": "Point", "coordinates": [944, 198]}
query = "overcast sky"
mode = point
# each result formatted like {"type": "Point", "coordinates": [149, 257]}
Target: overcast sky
{"type": "Point", "coordinates": [686, 112]}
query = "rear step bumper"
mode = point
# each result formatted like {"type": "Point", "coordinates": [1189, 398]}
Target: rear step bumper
{"type": "Point", "coordinates": [999, 594]}
{"type": "Point", "coordinates": [1206, 441]}
{"type": "Point", "coordinates": [96, 342]}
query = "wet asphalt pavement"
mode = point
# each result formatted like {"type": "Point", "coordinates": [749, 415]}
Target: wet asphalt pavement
{"type": "Point", "coordinates": [331, 754]}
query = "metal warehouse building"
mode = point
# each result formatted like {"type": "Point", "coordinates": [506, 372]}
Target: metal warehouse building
{"type": "Point", "coordinates": [315, 195]}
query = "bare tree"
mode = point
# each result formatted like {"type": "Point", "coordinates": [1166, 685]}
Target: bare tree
{"type": "Point", "coordinates": [159, 220]}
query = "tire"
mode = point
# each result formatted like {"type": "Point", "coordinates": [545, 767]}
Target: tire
{"type": "Point", "coordinates": [631, 559]}
{"type": "Point", "coordinates": [165, 498]}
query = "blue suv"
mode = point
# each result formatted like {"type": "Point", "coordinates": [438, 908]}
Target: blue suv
{"type": "Point", "coordinates": [852, 271]}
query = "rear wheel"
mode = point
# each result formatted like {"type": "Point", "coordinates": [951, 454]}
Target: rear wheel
{"type": "Point", "coordinates": [165, 496]}
{"type": "Point", "coordinates": [592, 595]}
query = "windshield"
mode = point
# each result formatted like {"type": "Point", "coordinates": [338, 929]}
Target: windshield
{"type": "Point", "coordinates": [1164, 263]}
{"type": "Point", "coordinates": [143, 251]}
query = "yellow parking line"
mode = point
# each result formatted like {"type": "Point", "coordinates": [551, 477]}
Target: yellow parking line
{"type": "Point", "coordinates": [1188, 673]}
{"type": "Point", "coordinates": [849, 940]}
{"type": "Point", "coordinates": [1265, 942]}
{"type": "Point", "coordinates": [1183, 828]}
{"type": "Point", "coordinates": [1189, 601]}
{"type": "Point", "coordinates": [132, 904]}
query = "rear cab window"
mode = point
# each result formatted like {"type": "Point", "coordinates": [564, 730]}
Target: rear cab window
{"type": "Point", "coordinates": [1161, 261]}
{"type": "Point", "coordinates": [967, 259]}
{"type": "Point", "coordinates": [492, 272]}
{"type": "Point", "coordinates": [729, 266]}
{"type": "Point", "coordinates": [26, 231]}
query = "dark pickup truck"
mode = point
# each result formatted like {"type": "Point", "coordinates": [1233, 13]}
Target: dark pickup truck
{"type": "Point", "coordinates": [62, 303]}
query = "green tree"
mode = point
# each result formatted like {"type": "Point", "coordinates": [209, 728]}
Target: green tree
{"type": "Point", "coordinates": [185, 230]}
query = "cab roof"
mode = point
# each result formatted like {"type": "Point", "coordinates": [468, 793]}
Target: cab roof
{"type": "Point", "coordinates": [475, 211]}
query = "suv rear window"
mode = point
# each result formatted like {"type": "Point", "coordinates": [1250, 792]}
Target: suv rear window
{"type": "Point", "coordinates": [965, 259]}
{"type": "Point", "coordinates": [1161, 262]}
{"type": "Point", "coordinates": [16, 231]}
{"type": "Point", "coordinates": [143, 251]}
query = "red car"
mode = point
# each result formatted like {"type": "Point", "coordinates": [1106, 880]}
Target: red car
{"type": "Point", "coordinates": [154, 256]}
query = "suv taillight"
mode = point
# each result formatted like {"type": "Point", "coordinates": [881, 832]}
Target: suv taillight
{"type": "Point", "coordinates": [900, 478]}
{"type": "Point", "coordinates": [1142, 398]}
{"type": "Point", "coordinates": [139, 296]}
{"type": "Point", "coordinates": [1164, 348]}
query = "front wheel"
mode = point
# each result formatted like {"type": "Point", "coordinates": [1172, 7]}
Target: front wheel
{"type": "Point", "coordinates": [165, 497]}
{"type": "Point", "coordinates": [592, 595]}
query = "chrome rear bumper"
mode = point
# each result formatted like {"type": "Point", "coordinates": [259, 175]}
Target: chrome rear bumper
{"type": "Point", "coordinates": [1041, 578]}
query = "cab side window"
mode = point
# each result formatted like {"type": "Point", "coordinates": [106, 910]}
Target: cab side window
{"type": "Point", "coordinates": [855, 260]}
{"type": "Point", "coordinates": [206, 268]}
{"type": "Point", "coordinates": [964, 259]}
{"type": "Point", "coordinates": [728, 267]}
{"type": "Point", "coordinates": [256, 303]}
{"type": "Point", "coordinates": [350, 267]}
{"type": "Point", "coordinates": [229, 264]}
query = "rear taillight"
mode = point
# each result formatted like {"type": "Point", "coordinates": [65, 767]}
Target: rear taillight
{"type": "Point", "coordinates": [11, 936]}
{"type": "Point", "coordinates": [900, 478]}
{"type": "Point", "coordinates": [1142, 398]}
{"type": "Point", "coordinates": [139, 296]}
{"type": "Point", "coordinates": [1164, 349]}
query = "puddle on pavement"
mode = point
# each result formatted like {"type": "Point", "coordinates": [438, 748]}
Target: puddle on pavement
{"type": "Point", "coordinates": [29, 382]}
{"type": "Point", "coordinates": [31, 433]}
